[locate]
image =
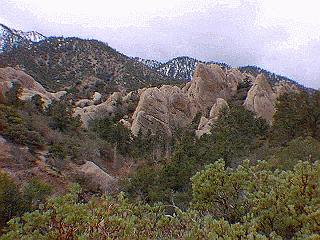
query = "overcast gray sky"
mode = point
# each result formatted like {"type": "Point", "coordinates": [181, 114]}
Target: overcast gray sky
{"type": "Point", "coordinates": [281, 36]}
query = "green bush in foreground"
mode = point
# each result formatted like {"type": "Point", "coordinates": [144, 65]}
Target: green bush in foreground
{"type": "Point", "coordinates": [250, 202]}
{"type": "Point", "coordinates": [14, 201]}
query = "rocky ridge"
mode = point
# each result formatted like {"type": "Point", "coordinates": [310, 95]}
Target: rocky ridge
{"type": "Point", "coordinates": [163, 110]}
{"type": "Point", "coordinates": [167, 108]}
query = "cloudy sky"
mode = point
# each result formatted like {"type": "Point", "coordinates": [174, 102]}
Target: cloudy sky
{"type": "Point", "coordinates": [281, 36]}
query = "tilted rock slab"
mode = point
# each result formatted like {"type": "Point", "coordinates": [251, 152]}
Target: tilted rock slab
{"type": "Point", "coordinates": [210, 82]}
{"type": "Point", "coordinates": [262, 97]}
{"type": "Point", "coordinates": [161, 110]}
{"type": "Point", "coordinates": [30, 87]}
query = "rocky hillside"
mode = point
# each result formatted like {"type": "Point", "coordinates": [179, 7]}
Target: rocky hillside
{"type": "Point", "coordinates": [11, 38]}
{"type": "Point", "coordinates": [59, 63]}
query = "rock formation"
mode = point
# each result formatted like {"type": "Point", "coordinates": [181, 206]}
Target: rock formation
{"type": "Point", "coordinates": [169, 108]}
{"type": "Point", "coordinates": [205, 124]}
{"type": "Point", "coordinates": [10, 76]}
{"type": "Point", "coordinates": [210, 82]}
{"type": "Point", "coordinates": [117, 103]}
{"type": "Point", "coordinates": [161, 110]}
{"type": "Point", "coordinates": [97, 177]}
{"type": "Point", "coordinates": [262, 96]}
{"type": "Point", "coordinates": [96, 99]}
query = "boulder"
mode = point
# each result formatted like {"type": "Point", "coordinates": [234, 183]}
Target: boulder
{"type": "Point", "coordinates": [261, 98]}
{"type": "Point", "coordinates": [84, 103]}
{"type": "Point", "coordinates": [217, 108]}
{"type": "Point", "coordinates": [117, 103]}
{"type": "Point", "coordinates": [102, 180]}
{"type": "Point", "coordinates": [96, 97]}
{"type": "Point", "coordinates": [125, 123]}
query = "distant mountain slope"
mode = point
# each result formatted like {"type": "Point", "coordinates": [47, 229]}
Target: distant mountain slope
{"type": "Point", "coordinates": [273, 78]}
{"type": "Point", "coordinates": [66, 62]}
{"type": "Point", "coordinates": [153, 64]}
{"type": "Point", "coordinates": [182, 68]}
{"type": "Point", "coordinates": [58, 63]}
{"type": "Point", "coordinates": [11, 38]}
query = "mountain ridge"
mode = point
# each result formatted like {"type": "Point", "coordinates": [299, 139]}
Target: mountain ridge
{"type": "Point", "coordinates": [183, 68]}
{"type": "Point", "coordinates": [175, 70]}
{"type": "Point", "coordinates": [59, 63]}
{"type": "Point", "coordinates": [11, 38]}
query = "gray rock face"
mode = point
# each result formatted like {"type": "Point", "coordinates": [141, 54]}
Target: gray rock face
{"type": "Point", "coordinates": [262, 97]}
{"type": "Point", "coordinates": [218, 107]}
{"type": "Point", "coordinates": [108, 108]}
{"type": "Point", "coordinates": [102, 180]}
{"type": "Point", "coordinates": [162, 110]}
{"type": "Point", "coordinates": [118, 102]}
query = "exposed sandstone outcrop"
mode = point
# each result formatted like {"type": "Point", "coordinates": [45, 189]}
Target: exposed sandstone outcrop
{"type": "Point", "coordinates": [261, 98]}
{"type": "Point", "coordinates": [210, 82]}
{"type": "Point", "coordinates": [215, 112]}
{"type": "Point", "coordinates": [30, 87]}
{"type": "Point", "coordinates": [169, 107]}
{"type": "Point", "coordinates": [96, 99]}
{"type": "Point", "coordinates": [217, 108]}
{"type": "Point", "coordinates": [165, 109]}
{"type": "Point", "coordinates": [117, 103]}
{"type": "Point", "coordinates": [161, 110]}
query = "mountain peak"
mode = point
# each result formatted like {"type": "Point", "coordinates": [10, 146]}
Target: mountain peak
{"type": "Point", "coordinates": [12, 38]}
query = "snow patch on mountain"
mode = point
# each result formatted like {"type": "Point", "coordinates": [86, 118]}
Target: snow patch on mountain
{"type": "Point", "coordinates": [11, 38]}
{"type": "Point", "coordinates": [180, 68]}
{"type": "Point", "coordinates": [153, 64]}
